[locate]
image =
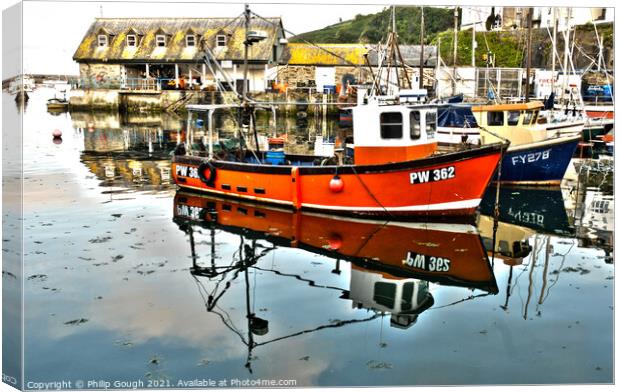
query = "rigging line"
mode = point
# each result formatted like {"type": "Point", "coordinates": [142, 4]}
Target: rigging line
{"type": "Point", "coordinates": [308, 42]}
{"type": "Point", "coordinates": [233, 329]}
{"type": "Point", "coordinates": [461, 300]}
{"type": "Point", "coordinates": [310, 282]}
{"type": "Point", "coordinates": [559, 270]}
{"type": "Point", "coordinates": [326, 326]}
{"type": "Point", "coordinates": [368, 238]}
{"type": "Point", "coordinates": [368, 191]}
{"type": "Point", "coordinates": [598, 40]}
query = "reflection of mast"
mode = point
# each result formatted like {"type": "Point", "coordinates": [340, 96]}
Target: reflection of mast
{"type": "Point", "coordinates": [247, 259]}
{"type": "Point", "coordinates": [531, 282]}
{"type": "Point", "coordinates": [508, 289]}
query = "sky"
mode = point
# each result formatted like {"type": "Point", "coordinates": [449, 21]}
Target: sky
{"type": "Point", "coordinates": [54, 29]}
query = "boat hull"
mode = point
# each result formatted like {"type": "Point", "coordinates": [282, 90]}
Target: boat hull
{"type": "Point", "coordinates": [604, 112]}
{"type": "Point", "coordinates": [541, 163]}
{"type": "Point", "coordinates": [444, 185]}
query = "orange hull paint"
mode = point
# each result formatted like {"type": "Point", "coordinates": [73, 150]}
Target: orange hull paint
{"type": "Point", "coordinates": [449, 184]}
{"type": "Point", "coordinates": [609, 115]}
{"type": "Point", "coordinates": [389, 248]}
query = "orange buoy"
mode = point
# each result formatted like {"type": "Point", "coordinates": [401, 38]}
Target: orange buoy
{"type": "Point", "coordinates": [336, 184]}
{"type": "Point", "coordinates": [334, 241]}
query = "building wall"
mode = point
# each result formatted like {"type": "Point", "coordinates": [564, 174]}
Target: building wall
{"type": "Point", "coordinates": [103, 74]}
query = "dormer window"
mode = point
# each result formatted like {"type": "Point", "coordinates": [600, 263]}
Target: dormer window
{"type": "Point", "coordinates": [132, 40]}
{"type": "Point", "coordinates": [160, 40]}
{"type": "Point", "coordinates": [102, 40]}
{"type": "Point", "coordinates": [190, 40]}
{"type": "Point", "coordinates": [220, 40]}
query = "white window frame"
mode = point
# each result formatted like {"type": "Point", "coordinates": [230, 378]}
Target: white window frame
{"type": "Point", "coordinates": [220, 40]}
{"type": "Point", "coordinates": [160, 38]}
{"type": "Point", "coordinates": [135, 40]}
{"type": "Point", "coordinates": [102, 40]}
{"type": "Point", "coordinates": [187, 38]}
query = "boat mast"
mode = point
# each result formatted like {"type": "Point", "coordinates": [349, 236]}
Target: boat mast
{"type": "Point", "coordinates": [566, 51]}
{"type": "Point", "coordinates": [421, 81]}
{"type": "Point", "coordinates": [246, 44]}
{"type": "Point", "coordinates": [555, 32]}
{"type": "Point", "coordinates": [529, 54]}
{"type": "Point", "coordinates": [456, 25]}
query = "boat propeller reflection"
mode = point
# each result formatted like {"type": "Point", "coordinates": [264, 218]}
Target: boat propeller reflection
{"type": "Point", "coordinates": [391, 263]}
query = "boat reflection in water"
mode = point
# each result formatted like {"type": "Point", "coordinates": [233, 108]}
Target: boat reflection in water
{"type": "Point", "coordinates": [534, 236]}
{"type": "Point", "coordinates": [392, 264]}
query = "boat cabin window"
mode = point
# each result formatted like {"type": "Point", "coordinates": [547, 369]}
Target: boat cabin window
{"type": "Point", "coordinates": [535, 117]}
{"type": "Point", "coordinates": [190, 40]}
{"type": "Point", "coordinates": [527, 117]}
{"type": "Point", "coordinates": [431, 123]}
{"type": "Point", "coordinates": [422, 291]}
{"type": "Point", "coordinates": [391, 125]}
{"type": "Point", "coordinates": [131, 40]}
{"type": "Point", "coordinates": [102, 40]}
{"type": "Point", "coordinates": [495, 118]}
{"type": "Point", "coordinates": [414, 121]}
{"type": "Point", "coordinates": [385, 294]}
{"type": "Point", "coordinates": [407, 297]}
{"type": "Point", "coordinates": [161, 40]}
{"type": "Point", "coordinates": [513, 117]}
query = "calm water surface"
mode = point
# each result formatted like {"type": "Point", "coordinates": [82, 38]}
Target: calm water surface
{"type": "Point", "coordinates": [128, 280]}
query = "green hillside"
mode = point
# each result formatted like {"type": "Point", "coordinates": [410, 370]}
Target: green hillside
{"type": "Point", "coordinates": [374, 27]}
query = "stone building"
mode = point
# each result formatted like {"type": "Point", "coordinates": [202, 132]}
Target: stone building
{"type": "Point", "coordinates": [167, 53]}
{"type": "Point", "coordinates": [321, 66]}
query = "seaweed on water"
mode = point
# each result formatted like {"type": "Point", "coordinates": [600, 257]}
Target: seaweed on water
{"type": "Point", "coordinates": [76, 321]}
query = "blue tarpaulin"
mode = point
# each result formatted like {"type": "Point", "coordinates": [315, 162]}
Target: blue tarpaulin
{"type": "Point", "coordinates": [456, 116]}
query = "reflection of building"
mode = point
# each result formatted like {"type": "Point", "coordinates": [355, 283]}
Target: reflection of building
{"type": "Point", "coordinates": [403, 298]}
{"type": "Point", "coordinates": [129, 173]}
{"type": "Point", "coordinates": [129, 158]}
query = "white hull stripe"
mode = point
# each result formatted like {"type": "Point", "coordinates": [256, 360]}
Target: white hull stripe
{"type": "Point", "coordinates": [453, 205]}
{"type": "Point", "coordinates": [460, 228]}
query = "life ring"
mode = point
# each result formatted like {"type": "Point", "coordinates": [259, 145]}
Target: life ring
{"type": "Point", "coordinates": [207, 173]}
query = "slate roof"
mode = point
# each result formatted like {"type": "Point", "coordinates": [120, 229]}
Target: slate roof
{"type": "Point", "coordinates": [350, 54]}
{"type": "Point", "coordinates": [176, 30]}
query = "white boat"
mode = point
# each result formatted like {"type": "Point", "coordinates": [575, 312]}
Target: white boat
{"type": "Point", "coordinates": [21, 83]}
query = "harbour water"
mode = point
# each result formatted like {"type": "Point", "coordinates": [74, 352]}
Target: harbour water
{"type": "Point", "coordinates": [128, 282]}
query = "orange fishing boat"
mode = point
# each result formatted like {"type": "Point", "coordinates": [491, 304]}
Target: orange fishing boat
{"type": "Point", "coordinates": [397, 169]}
{"type": "Point", "coordinates": [444, 253]}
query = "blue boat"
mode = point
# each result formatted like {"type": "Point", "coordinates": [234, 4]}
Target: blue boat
{"type": "Point", "coordinates": [539, 163]}
{"type": "Point", "coordinates": [533, 158]}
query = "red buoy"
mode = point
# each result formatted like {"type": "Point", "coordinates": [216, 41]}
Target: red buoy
{"type": "Point", "coordinates": [334, 241]}
{"type": "Point", "coordinates": [57, 133]}
{"type": "Point", "coordinates": [336, 184]}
